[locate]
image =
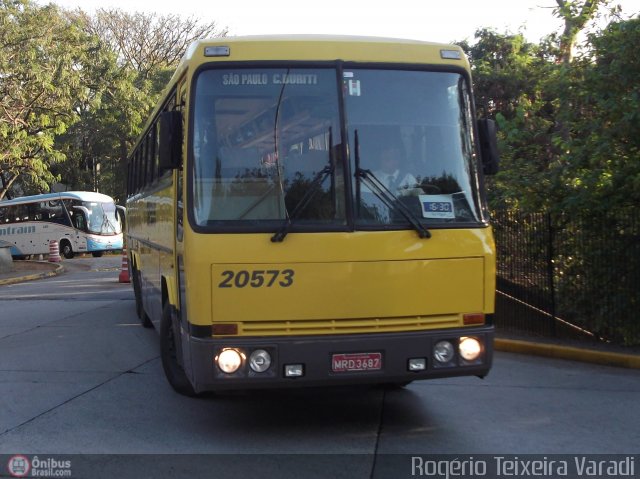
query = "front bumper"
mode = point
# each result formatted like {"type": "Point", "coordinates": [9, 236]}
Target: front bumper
{"type": "Point", "coordinates": [106, 243]}
{"type": "Point", "coordinates": [315, 354]}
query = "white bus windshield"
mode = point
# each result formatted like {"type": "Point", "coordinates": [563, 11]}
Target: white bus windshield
{"type": "Point", "coordinates": [102, 218]}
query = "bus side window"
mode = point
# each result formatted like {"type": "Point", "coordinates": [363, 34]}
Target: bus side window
{"type": "Point", "coordinates": [57, 213]}
{"type": "Point", "coordinates": [12, 214]}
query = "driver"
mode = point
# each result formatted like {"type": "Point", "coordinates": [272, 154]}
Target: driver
{"type": "Point", "coordinates": [389, 172]}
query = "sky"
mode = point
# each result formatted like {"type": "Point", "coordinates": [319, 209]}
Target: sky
{"type": "Point", "coordinates": [439, 21]}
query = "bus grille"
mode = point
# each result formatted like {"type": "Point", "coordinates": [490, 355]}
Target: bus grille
{"type": "Point", "coordinates": [347, 326]}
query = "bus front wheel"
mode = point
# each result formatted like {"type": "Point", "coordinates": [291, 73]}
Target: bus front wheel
{"type": "Point", "coordinates": [137, 294]}
{"type": "Point", "coordinates": [66, 250]}
{"type": "Point", "coordinates": [169, 355]}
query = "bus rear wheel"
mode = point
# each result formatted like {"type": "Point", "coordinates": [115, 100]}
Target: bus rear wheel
{"type": "Point", "coordinates": [65, 249]}
{"type": "Point", "coordinates": [169, 355]}
{"type": "Point", "coordinates": [97, 254]}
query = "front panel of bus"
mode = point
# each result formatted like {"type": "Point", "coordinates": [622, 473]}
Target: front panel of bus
{"type": "Point", "coordinates": [335, 224]}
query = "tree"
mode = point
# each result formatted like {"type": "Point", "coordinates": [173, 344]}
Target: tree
{"type": "Point", "coordinates": [576, 15]}
{"type": "Point", "coordinates": [145, 49]}
{"type": "Point", "coordinates": [550, 107]}
{"type": "Point", "coordinates": [41, 58]}
{"type": "Point", "coordinates": [93, 142]}
{"type": "Point", "coordinates": [509, 81]}
{"type": "Point", "coordinates": [604, 150]}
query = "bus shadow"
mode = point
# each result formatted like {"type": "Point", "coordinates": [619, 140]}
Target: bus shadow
{"type": "Point", "coordinates": [355, 411]}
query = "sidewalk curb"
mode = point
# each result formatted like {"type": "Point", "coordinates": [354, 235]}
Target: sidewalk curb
{"type": "Point", "coordinates": [567, 352]}
{"type": "Point", "coordinates": [30, 277]}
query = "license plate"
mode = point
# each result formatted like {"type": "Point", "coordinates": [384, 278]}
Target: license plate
{"type": "Point", "coordinates": [341, 363]}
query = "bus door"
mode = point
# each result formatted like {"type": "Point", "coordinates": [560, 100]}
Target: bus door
{"type": "Point", "coordinates": [80, 224]}
{"type": "Point", "coordinates": [79, 220]}
{"type": "Point", "coordinates": [181, 94]}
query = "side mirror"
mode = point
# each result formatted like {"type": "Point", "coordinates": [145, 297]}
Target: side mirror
{"type": "Point", "coordinates": [122, 215]}
{"type": "Point", "coordinates": [170, 148]}
{"type": "Point", "coordinates": [488, 146]}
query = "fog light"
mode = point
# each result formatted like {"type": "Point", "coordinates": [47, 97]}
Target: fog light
{"type": "Point", "coordinates": [443, 352]}
{"type": "Point", "coordinates": [417, 364]}
{"type": "Point", "coordinates": [229, 360]}
{"type": "Point", "coordinates": [470, 348]}
{"type": "Point", "coordinates": [260, 360]}
{"type": "Point", "coordinates": [293, 370]}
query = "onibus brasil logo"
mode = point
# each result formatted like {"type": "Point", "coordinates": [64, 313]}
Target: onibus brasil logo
{"type": "Point", "coordinates": [19, 466]}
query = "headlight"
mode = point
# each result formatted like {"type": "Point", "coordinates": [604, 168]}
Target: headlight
{"type": "Point", "coordinates": [260, 360]}
{"type": "Point", "coordinates": [229, 360]}
{"type": "Point", "coordinates": [443, 352]}
{"type": "Point", "coordinates": [470, 348]}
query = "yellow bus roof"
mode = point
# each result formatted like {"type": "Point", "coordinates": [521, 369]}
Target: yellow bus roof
{"type": "Point", "coordinates": [326, 48]}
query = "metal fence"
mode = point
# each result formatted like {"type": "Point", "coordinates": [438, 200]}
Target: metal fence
{"type": "Point", "coordinates": [563, 275]}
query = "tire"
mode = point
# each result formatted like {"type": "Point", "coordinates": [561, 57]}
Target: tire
{"type": "Point", "coordinates": [97, 254]}
{"type": "Point", "coordinates": [168, 354]}
{"type": "Point", "coordinates": [66, 250]}
{"type": "Point", "coordinates": [137, 293]}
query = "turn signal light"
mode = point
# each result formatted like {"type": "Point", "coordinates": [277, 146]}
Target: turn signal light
{"type": "Point", "coordinates": [470, 319]}
{"type": "Point", "coordinates": [225, 329]}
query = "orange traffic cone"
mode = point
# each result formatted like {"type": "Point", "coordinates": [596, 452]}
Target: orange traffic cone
{"type": "Point", "coordinates": [124, 272]}
{"type": "Point", "coordinates": [54, 252]}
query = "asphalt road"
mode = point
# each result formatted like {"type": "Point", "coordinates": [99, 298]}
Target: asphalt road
{"type": "Point", "coordinates": [79, 375]}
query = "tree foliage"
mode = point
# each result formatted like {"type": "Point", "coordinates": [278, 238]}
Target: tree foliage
{"type": "Point", "coordinates": [575, 14]}
{"type": "Point", "coordinates": [41, 58]}
{"type": "Point", "coordinates": [603, 153]}
{"type": "Point", "coordinates": [146, 42]}
{"type": "Point", "coordinates": [75, 90]}
{"type": "Point", "coordinates": [510, 76]}
{"type": "Point", "coordinates": [144, 49]}
{"type": "Point", "coordinates": [569, 128]}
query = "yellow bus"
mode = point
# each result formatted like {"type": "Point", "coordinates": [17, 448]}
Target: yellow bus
{"type": "Point", "coordinates": [309, 211]}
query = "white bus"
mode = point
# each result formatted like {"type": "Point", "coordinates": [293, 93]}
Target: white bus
{"type": "Point", "coordinates": [80, 221]}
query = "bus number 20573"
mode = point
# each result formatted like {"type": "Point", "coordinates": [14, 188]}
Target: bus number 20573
{"type": "Point", "coordinates": [257, 278]}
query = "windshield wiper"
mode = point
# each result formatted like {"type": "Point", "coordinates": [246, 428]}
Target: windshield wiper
{"type": "Point", "coordinates": [106, 224]}
{"type": "Point", "coordinates": [391, 200]}
{"type": "Point", "coordinates": [315, 186]}
{"type": "Point", "coordinates": [384, 194]}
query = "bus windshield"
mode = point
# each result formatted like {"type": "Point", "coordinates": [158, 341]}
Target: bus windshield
{"type": "Point", "coordinates": [412, 132]}
{"type": "Point", "coordinates": [101, 218]}
{"type": "Point", "coordinates": [261, 137]}
{"type": "Point", "coordinates": [266, 147]}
